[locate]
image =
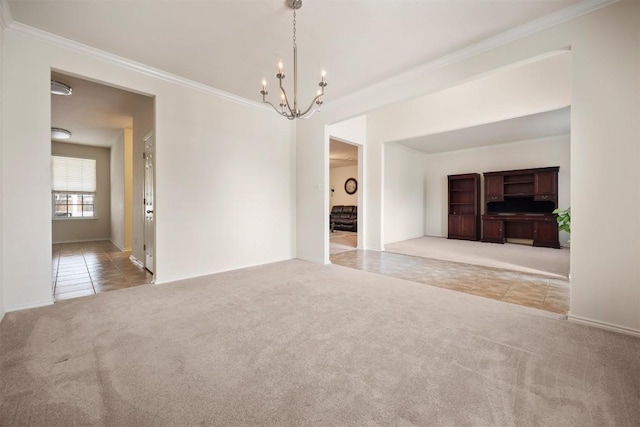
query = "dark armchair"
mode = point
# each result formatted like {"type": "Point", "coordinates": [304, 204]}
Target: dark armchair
{"type": "Point", "coordinates": [344, 218]}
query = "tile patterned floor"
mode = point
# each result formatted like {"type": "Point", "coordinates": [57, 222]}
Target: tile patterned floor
{"type": "Point", "coordinates": [509, 286]}
{"type": "Point", "coordinates": [81, 269]}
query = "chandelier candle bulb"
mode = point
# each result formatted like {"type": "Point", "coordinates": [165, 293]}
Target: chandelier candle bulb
{"type": "Point", "coordinates": [324, 74]}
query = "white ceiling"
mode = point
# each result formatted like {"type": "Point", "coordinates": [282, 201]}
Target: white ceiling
{"type": "Point", "coordinates": [342, 154]}
{"type": "Point", "coordinates": [232, 44]}
{"type": "Point", "coordinates": [94, 113]}
{"type": "Point", "coordinates": [541, 125]}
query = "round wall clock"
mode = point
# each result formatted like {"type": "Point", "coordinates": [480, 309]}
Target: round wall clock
{"type": "Point", "coordinates": [351, 186]}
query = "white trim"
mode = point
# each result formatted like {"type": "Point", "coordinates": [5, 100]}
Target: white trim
{"type": "Point", "coordinates": [485, 45]}
{"type": "Point", "coordinates": [98, 239]}
{"type": "Point", "coordinates": [28, 306]}
{"type": "Point", "coordinates": [604, 325]}
{"type": "Point", "coordinates": [136, 261]}
{"type": "Point", "coordinates": [314, 260]}
{"type": "Point", "coordinates": [566, 14]}
{"type": "Point", "coordinates": [5, 15]}
{"type": "Point", "coordinates": [101, 55]}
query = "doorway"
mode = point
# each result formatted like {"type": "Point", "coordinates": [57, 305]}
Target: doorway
{"type": "Point", "coordinates": [344, 186]}
{"type": "Point", "coordinates": [98, 227]}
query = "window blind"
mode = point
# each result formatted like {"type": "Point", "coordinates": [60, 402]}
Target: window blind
{"type": "Point", "coordinates": [73, 174]}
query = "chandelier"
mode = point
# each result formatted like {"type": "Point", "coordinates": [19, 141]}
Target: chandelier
{"type": "Point", "coordinates": [287, 109]}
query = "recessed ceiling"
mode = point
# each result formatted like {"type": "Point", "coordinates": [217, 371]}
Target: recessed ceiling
{"type": "Point", "coordinates": [94, 113]}
{"type": "Point", "coordinates": [534, 126]}
{"type": "Point", "coordinates": [233, 45]}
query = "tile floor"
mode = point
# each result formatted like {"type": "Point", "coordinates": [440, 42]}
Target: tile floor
{"type": "Point", "coordinates": [550, 294]}
{"type": "Point", "coordinates": [88, 268]}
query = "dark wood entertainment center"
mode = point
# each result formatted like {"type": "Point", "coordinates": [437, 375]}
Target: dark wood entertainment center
{"type": "Point", "coordinates": [519, 204]}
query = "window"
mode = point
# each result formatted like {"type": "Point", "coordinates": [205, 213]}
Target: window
{"type": "Point", "coordinates": [74, 187]}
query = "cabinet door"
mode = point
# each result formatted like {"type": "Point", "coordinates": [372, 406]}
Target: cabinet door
{"type": "Point", "coordinates": [493, 188]}
{"type": "Point", "coordinates": [492, 231]}
{"type": "Point", "coordinates": [463, 227]}
{"type": "Point", "coordinates": [546, 183]}
{"type": "Point", "coordinates": [545, 233]}
{"type": "Point", "coordinates": [454, 226]}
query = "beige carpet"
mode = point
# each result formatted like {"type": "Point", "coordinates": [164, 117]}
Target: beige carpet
{"type": "Point", "coordinates": [510, 256]}
{"type": "Point", "coordinates": [297, 343]}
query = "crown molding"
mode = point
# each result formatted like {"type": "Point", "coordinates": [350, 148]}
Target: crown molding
{"type": "Point", "coordinates": [5, 15]}
{"type": "Point", "coordinates": [73, 46]}
{"type": "Point", "coordinates": [485, 45]}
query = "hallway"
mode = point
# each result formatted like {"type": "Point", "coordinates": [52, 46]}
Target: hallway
{"type": "Point", "coordinates": [89, 268]}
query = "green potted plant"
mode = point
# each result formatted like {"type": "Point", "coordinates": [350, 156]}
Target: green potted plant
{"type": "Point", "coordinates": [564, 219]}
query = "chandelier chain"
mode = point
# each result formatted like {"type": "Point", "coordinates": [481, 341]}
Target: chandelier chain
{"type": "Point", "coordinates": [294, 28]}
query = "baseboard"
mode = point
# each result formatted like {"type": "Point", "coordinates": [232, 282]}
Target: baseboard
{"type": "Point", "coordinates": [82, 240]}
{"type": "Point", "coordinates": [116, 245]}
{"type": "Point", "coordinates": [604, 325]}
{"type": "Point", "coordinates": [28, 306]}
{"type": "Point", "coordinates": [314, 260]}
{"type": "Point", "coordinates": [136, 261]}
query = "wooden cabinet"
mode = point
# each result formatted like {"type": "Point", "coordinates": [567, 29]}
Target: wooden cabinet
{"type": "Point", "coordinates": [546, 186]}
{"type": "Point", "coordinates": [464, 206]}
{"type": "Point", "coordinates": [545, 233]}
{"type": "Point", "coordinates": [519, 204]}
{"type": "Point", "coordinates": [493, 188]}
{"type": "Point", "coordinates": [492, 231]}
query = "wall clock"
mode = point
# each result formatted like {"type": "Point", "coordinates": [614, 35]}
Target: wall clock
{"type": "Point", "coordinates": [351, 186]}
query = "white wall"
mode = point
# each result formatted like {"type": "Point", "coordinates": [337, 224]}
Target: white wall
{"type": "Point", "coordinates": [2, 310]}
{"type": "Point", "coordinates": [553, 151]}
{"type": "Point", "coordinates": [604, 87]}
{"type": "Point", "coordinates": [121, 190]}
{"type": "Point", "coordinates": [82, 230]}
{"type": "Point", "coordinates": [225, 171]}
{"type": "Point", "coordinates": [514, 91]}
{"type": "Point", "coordinates": [128, 188]}
{"type": "Point", "coordinates": [337, 178]}
{"type": "Point", "coordinates": [117, 191]}
{"type": "Point", "coordinates": [404, 187]}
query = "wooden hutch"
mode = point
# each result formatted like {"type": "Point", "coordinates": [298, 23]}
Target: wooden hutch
{"type": "Point", "coordinates": [519, 204]}
{"type": "Point", "coordinates": [464, 206]}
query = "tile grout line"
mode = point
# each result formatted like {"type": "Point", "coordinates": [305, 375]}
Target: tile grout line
{"type": "Point", "coordinates": [55, 283]}
{"type": "Point", "coordinates": [88, 272]}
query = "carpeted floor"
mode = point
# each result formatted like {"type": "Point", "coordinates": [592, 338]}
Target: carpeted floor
{"type": "Point", "coordinates": [297, 343]}
{"type": "Point", "coordinates": [509, 256]}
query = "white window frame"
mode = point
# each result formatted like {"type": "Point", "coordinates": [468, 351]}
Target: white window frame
{"type": "Point", "coordinates": [79, 193]}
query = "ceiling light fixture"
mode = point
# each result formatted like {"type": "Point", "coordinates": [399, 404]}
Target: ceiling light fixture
{"type": "Point", "coordinates": [286, 109]}
{"type": "Point", "coordinates": [58, 133]}
{"type": "Point", "coordinates": [58, 88]}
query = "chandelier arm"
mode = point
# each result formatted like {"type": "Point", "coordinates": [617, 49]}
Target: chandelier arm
{"type": "Point", "coordinates": [286, 99]}
{"type": "Point", "coordinates": [311, 106]}
{"type": "Point", "coordinates": [275, 108]}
